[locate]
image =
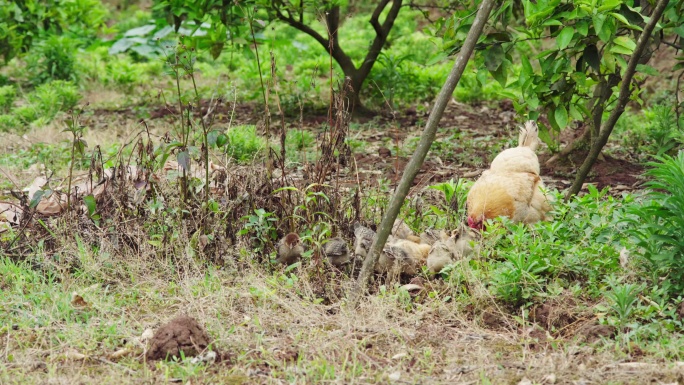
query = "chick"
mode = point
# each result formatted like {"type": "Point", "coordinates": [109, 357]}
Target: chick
{"type": "Point", "coordinates": [401, 230]}
{"type": "Point", "coordinates": [455, 247]}
{"type": "Point", "coordinates": [430, 236]}
{"type": "Point", "coordinates": [337, 251]}
{"type": "Point", "coordinates": [363, 239]}
{"type": "Point", "coordinates": [290, 249]}
{"type": "Point", "coordinates": [402, 256]}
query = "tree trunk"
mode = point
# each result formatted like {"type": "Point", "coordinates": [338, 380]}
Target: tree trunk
{"type": "Point", "coordinates": [419, 155]}
{"type": "Point", "coordinates": [602, 136]}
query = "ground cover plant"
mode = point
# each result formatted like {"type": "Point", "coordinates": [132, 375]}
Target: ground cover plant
{"type": "Point", "coordinates": [153, 156]}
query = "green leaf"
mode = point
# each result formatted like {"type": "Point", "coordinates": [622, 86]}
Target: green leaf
{"type": "Point", "coordinates": [494, 57]}
{"type": "Point", "coordinates": [561, 115]}
{"type": "Point", "coordinates": [37, 196]}
{"type": "Point", "coordinates": [609, 61]}
{"type": "Point", "coordinates": [575, 113]}
{"type": "Point", "coordinates": [545, 136]}
{"type": "Point", "coordinates": [598, 20]}
{"type": "Point", "coordinates": [500, 74]}
{"type": "Point", "coordinates": [91, 205]}
{"type": "Point", "coordinates": [620, 50]}
{"type": "Point", "coordinates": [626, 42]}
{"type": "Point", "coordinates": [564, 37]}
{"type": "Point", "coordinates": [582, 28]}
{"type": "Point", "coordinates": [679, 31]}
{"type": "Point", "coordinates": [647, 69]}
{"type": "Point", "coordinates": [221, 140]}
{"type": "Point", "coordinates": [140, 31]}
{"type": "Point", "coordinates": [80, 146]}
{"type": "Point", "coordinates": [620, 18]}
{"type": "Point", "coordinates": [607, 30]}
{"type": "Point", "coordinates": [609, 5]}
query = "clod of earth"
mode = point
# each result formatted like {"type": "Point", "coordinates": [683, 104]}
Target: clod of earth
{"type": "Point", "coordinates": [182, 333]}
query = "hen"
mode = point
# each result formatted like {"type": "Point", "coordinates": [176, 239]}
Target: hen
{"type": "Point", "coordinates": [512, 186]}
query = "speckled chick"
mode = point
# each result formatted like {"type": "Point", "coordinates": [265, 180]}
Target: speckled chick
{"type": "Point", "coordinates": [290, 249]}
{"type": "Point", "coordinates": [337, 251]}
{"type": "Point", "coordinates": [430, 236]}
{"type": "Point", "coordinates": [445, 251]}
{"type": "Point", "coordinates": [363, 239]}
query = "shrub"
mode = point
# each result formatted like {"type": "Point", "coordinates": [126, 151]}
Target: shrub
{"type": "Point", "coordinates": [658, 223]}
{"type": "Point", "coordinates": [26, 114]}
{"type": "Point", "coordinates": [53, 97]}
{"type": "Point", "coordinates": [244, 144]}
{"type": "Point", "coordinates": [52, 59]}
{"type": "Point", "coordinates": [7, 96]}
{"type": "Point", "coordinates": [9, 122]}
{"type": "Point", "coordinates": [122, 72]}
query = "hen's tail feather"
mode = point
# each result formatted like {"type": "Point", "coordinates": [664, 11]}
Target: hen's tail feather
{"type": "Point", "coordinates": [529, 135]}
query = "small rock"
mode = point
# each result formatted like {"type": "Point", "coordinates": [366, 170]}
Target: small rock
{"type": "Point", "coordinates": [395, 376]}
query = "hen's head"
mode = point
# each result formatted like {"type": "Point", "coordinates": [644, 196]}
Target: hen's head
{"type": "Point", "coordinates": [292, 239]}
{"type": "Point", "coordinates": [476, 223]}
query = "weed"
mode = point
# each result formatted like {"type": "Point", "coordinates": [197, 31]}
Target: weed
{"type": "Point", "coordinates": [260, 226]}
{"type": "Point", "coordinates": [653, 131]}
{"type": "Point", "coordinates": [658, 223]}
{"type": "Point", "coordinates": [53, 97]}
{"type": "Point", "coordinates": [53, 59]}
{"type": "Point", "coordinates": [9, 123]}
{"type": "Point", "coordinates": [244, 145]}
{"type": "Point", "coordinates": [7, 96]}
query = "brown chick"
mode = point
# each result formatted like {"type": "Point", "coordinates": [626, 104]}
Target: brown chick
{"type": "Point", "coordinates": [401, 230]}
{"type": "Point", "coordinates": [337, 251]}
{"type": "Point", "coordinates": [290, 249]}
{"type": "Point", "coordinates": [402, 256]}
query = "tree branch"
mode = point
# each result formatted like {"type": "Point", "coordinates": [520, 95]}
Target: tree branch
{"type": "Point", "coordinates": [418, 157]}
{"type": "Point", "coordinates": [338, 54]}
{"type": "Point", "coordinates": [381, 33]}
{"type": "Point", "coordinates": [376, 15]}
{"type": "Point", "coordinates": [625, 92]}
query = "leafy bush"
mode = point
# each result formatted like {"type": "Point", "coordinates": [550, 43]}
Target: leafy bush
{"type": "Point", "coordinates": [26, 114]}
{"type": "Point", "coordinates": [9, 122]}
{"type": "Point", "coordinates": [121, 71]}
{"type": "Point", "coordinates": [581, 245]}
{"type": "Point", "coordinates": [244, 144]}
{"type": "Point", "coordinates": [7, 96]}
{"type": "Point", "coordinates": [52, 59]}
{"type": "Point", "coordinates": [655, 131]}
{"type": "Point", "coordinates": [658, 224]}
{"type": "Point", "coordinates": [24, 21]}
{"type": "Point", "coordinates": [53, 97]}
